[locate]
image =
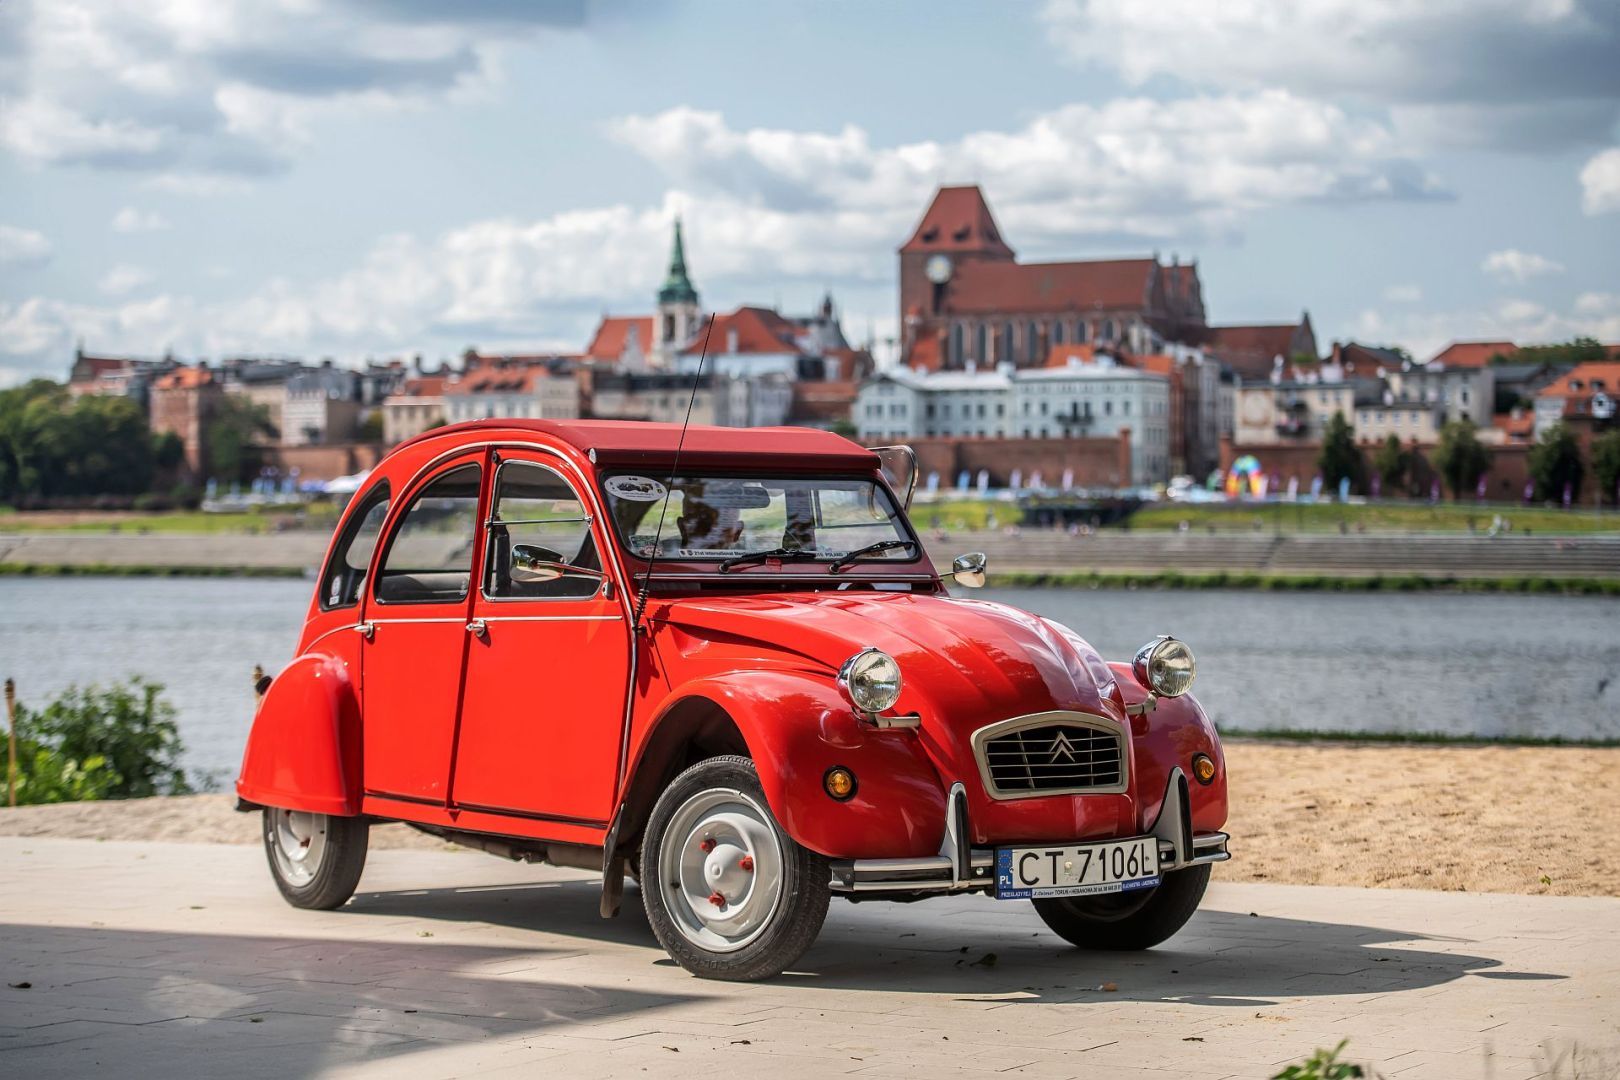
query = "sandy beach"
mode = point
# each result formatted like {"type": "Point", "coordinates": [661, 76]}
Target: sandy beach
{"type": "Point", "coordinates": [1506, 819]}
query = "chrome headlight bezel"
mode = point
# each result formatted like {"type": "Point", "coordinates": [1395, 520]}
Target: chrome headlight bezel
{"type": "Point", "coordinates": [869, 695]}
{"type": "Point", "coordinates": [1165, 666]}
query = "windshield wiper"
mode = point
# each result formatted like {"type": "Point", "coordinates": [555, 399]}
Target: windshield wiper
{"type": "Point", "coordinates": [870, 549]}
{"type": "Point", "coordinates": [786, 554]}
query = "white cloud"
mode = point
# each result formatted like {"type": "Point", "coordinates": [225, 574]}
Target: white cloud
{"type": "Point", "coordinates": [1593, 314]}
{"type": "Point", "coordinates": [131, 220]}
{"type": "Point", "coordinates": [1464, 71]}
{"type": "Point", "coordinates": [1130, 167]}
{"type": "Point", "coordinates": [23, 247]}
{"type": "Point", "coordinates": [1404, 294]}
{"type": "Point", "coordinates": [230, 87]}
{"type": "Point", "coordinates": [1515, 265]}
{"type": "Point", "coordinates": [1600, 183]}
{"type": "Point", "coordinates": [124, 279]}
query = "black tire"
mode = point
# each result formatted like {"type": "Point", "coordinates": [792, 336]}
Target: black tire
{"type": "Point", "coordinates": [342, 859]}
{"type": "Point", "coordinates": [1121, 922]}
{"type": "Point", "coordinates": [800, 909]}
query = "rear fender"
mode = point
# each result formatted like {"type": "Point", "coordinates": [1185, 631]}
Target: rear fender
{"type": "Point", "coordinates": [1168, 736]}
{"type": "Point", "coordinates": [303, 752]}
{"type": "Point", "coordinates": [797, 727]}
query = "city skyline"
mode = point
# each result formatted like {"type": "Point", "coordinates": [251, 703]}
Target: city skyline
{"type": "Point", "coordinates": [359, 180]}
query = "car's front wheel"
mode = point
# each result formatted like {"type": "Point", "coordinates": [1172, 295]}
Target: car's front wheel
{"type": "Point", "coordinates": [1127, 921]}
{"type": "Point", "coordinates": [316, 859]}
{"type": "Point", "coordinates": [728, 893]}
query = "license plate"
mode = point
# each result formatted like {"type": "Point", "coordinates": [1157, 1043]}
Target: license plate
{"type": "Point", "coordinates": [1078, 870]}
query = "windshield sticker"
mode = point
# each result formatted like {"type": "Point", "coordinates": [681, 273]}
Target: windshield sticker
{"type": "Point", "coordinates": [635, 488]}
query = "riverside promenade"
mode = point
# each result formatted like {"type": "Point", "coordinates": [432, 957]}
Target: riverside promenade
{"type": "Point", "coordinates": [1028, 550]}
{"type": "Point", "coordinates": [161, 960]}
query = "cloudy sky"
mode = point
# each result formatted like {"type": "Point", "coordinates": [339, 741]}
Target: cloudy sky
{"type": "Point", "coordinates": [376, 177]}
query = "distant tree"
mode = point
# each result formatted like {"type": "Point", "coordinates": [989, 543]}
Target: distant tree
{"type": "Point", "coordinates": [1390, 463]}
{"type": "Point", "coordinates": [1460, 458]}
{"type": "Point", "coordinates": [371, 428]}
{"type": "Point", "coordinates": [232, 438]}
{"type": "Point", "coordinates": [1340, 457]}
{"type": "Point", "coordinates": [1606, 463]}
{"type": "Point", "coordinates": [846, 428]}
{"type": "Point", "coordinates": [167, 450]}
{"type": "Point", "coordinates": [53, 444]}
{"type": "Point", "coordinates": [1579, 350]}
{"type": "Point", "coordinates": [1555, 462]}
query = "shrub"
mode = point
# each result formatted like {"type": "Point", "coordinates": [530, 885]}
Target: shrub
{"type": "Point", "coordinates": [1322, 1065]}
{"type": "Point", "coordinates": [115, 743]}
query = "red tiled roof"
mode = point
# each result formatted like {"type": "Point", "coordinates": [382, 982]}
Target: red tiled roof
{"type": "Point", "coordinates": [1060, 355]}
{"type": "Point", "coordinates": [1472, 354]}
{"type": "Point", "coordinates": [614, 333]}
{"type": "Point", "coordinates": [1109, 284]}
{"type": "Point", "coordinates": [1274, 339]}
{"type": "Point", "coordinates": [512, 380]}
{"type": "Point", "coordinates": [1575, 385]}
{"type": "Point", "coordinates": [823, 400]}
{"type": "Point", "coordinates": [97, 366]}
{"type": "Point", "coordinates": [958, 219]}
{"type": "Point", "coordinates": [925, 354]}
{"type": "Point", "coordinates": [184, 378]}
{"type": "Point", "coordinates": [422, 386]}
{"type": "Point", "coordinates": [759, 330]}
{"type": "Point", "coordinates": [1519, 428]}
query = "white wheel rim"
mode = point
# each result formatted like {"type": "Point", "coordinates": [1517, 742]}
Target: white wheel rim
{"type": "Point", "coordinates": [720, 868]}
{"type": "Point", "coordinates": [298, 844]}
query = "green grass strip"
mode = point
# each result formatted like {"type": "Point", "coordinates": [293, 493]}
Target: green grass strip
{"type": "Point", "coordinates": [1221, 579]}
{"type": "Point", "coordinates": [9, 569]}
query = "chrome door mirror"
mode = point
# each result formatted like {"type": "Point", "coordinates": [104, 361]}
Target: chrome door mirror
{"type": "Point", "coordinates": [969, 569]}
{"type": "Point", "coordinates": [532, 564]}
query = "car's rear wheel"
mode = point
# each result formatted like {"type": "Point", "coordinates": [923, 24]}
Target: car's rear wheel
{"type": "Point", "coordinates": [1127, 921]}
{"type": "Point", "coordinates": [728, 893]}
{"type": "Point", "coordinates": [316, 859]}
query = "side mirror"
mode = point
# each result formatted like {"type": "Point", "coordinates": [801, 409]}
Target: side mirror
{"type": "Point", "coordinates": [968, 570]}
{"type": "Point", "coordinates": [532, 564]}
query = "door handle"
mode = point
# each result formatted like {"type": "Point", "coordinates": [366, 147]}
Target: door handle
{"type": "Point", "coordinates": [367, 630]}
{"type": "Point", "coordinates": [478, 628]}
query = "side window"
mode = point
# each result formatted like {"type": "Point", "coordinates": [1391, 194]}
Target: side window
{"type": "Point", "coordinates": [540, 543]}
{"type": "Point", "coordinates": [346, 573]}
{"type": "Point", "coordinates": [429, 557]}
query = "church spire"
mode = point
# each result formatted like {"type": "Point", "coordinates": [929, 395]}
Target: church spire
{"type": "Point", "coordinates": [677, 287]}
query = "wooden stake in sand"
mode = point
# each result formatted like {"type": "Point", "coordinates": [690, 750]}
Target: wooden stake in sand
{"type": "Point", "coordinates": [11, 742]}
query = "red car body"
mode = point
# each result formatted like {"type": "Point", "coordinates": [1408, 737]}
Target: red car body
{"type": "Point", "coordinates": [557, 723]}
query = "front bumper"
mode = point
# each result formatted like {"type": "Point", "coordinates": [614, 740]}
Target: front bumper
{"type": "Point", "coordinates": [960, 867]}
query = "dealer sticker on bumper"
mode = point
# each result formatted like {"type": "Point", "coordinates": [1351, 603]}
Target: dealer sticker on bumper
{"type": "Point", "coordinates": [1081, 870]}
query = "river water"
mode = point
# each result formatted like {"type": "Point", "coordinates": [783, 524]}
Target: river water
{"type": "Point", "coordinates": [1458, 664]}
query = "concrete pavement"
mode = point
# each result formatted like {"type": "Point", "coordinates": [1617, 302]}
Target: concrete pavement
{"type": "Point", "coordinates": [167, 960]}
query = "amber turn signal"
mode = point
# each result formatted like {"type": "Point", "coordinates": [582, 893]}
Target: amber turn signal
{"type": "Point", "coordinates": [840, 783]}
{"type": "Point", "coordinates": [1203, 768]}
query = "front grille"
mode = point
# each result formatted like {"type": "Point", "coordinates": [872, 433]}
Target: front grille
{"type": "Point", "coordinates": [1054, 758]}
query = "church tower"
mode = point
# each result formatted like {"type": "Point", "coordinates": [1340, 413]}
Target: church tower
{"type": "Point", "coordinates": [677, 320]}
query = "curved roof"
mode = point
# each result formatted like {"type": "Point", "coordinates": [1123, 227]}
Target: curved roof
{"type": "Point", "coordinates": [633, 442]}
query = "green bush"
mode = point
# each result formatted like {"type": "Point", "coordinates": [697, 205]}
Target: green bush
{"type": "Point", "coordinates": [114, 743]}
{"type": "Point", "coordinates": [1323, 1065]}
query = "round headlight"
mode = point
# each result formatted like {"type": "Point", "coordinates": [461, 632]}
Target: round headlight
{"type": "Point", "coordinates": [1165, 666]}
{"type": "Point", "coordinates": [871, 680]}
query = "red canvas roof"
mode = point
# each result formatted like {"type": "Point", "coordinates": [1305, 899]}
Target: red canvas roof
{"type": "Point", "coordinates": [1096, 284]}
{"type": "Point", "coordinates": [632, 442]}
{"type": "Point", "coordinates": [958, 219]}
{"type": "Point", "coordinates": [614, 333]}
{"type": "Point", "coordinates": [1472, 354]}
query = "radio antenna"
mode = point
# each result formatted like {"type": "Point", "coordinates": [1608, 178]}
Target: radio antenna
{"type": "Point", "coordinates": [669, 488]}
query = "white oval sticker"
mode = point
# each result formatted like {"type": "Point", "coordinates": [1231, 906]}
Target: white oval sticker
{"type": "Point", "coordinates": [635, 488]}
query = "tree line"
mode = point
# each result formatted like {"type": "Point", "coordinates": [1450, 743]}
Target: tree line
{"type": "Point", "coordinates": [1555, 462]}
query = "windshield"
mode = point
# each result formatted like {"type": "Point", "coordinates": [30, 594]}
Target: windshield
{"type": "Point", "coordinates": [722, 517]}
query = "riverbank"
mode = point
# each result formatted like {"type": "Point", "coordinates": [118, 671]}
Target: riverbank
{"type": "Point", "coordinates": [1320, 813]}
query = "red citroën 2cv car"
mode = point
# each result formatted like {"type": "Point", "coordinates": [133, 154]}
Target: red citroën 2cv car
{"type": "Point", "coordinates": [719, 661]}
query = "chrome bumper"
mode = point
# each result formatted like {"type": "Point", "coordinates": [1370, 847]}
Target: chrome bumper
{"type": "Point", "coordinates": [961, 868]}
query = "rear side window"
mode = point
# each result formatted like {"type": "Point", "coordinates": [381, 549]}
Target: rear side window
{"type": "Point", "coordinates": [429, 558]}
{"type": "Point", "coordinates": [346, 573]}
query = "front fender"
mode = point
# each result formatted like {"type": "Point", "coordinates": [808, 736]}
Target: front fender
{"type": "Point", "coordinates": [303, 752]}
{"type": "Point", "coordinates": [1170, 735]}
{"type": "Point", "coordinates": [797, 727]}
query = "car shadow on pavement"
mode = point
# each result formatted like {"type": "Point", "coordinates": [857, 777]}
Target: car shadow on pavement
{"type": "Point", "coordinates": [981, 946]}
{"type": "Point", "coordinates": [83, 1000]}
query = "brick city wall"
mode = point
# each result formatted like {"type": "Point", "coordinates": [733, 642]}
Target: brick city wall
{"type": "Point", "coordinates": [325, 462]}
{"type": "Point", "coordinates": [1096, 462]}
{"type": "Point", "coordinates": [1504, 479]}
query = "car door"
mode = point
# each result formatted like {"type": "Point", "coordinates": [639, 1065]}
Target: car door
{"type": "Point", "coordinates": [542, 713]}
{"type": "Point", "coordinates": [416, 628]}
